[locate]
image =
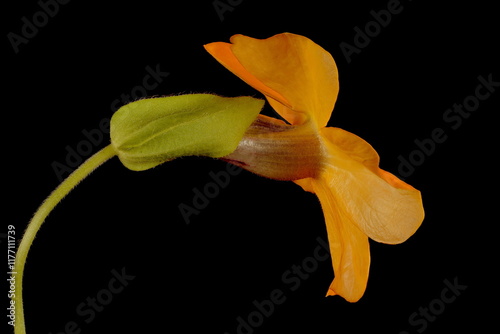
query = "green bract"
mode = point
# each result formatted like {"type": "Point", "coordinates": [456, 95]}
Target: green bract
{"type": "Point", "coordinates": [149, 132]}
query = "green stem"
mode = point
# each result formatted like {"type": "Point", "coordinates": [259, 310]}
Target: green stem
{"type": "Point", "coordinates": [36, 222]}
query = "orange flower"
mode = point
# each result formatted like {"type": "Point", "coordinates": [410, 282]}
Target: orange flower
{"type": "Point", "coordinates": [359, 200]}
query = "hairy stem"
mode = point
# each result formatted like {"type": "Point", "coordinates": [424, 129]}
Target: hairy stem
{"type": "Point", "coordinates": [36, 222]}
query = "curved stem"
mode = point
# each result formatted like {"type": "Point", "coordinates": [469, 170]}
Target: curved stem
{"type": "Point", "coordinates": [36, 222]}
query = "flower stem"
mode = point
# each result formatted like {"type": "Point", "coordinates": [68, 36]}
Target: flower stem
{"type": "Point", "coordinates": [36, 222]}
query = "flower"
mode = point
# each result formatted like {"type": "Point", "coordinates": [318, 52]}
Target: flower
{"type": "Point", "coordinates": [359, 200]}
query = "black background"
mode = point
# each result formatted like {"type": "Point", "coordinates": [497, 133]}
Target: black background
{"type": "Point", "coordinates": [201, 277]}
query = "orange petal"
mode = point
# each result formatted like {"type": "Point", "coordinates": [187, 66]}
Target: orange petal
{"type": "Point", "coordinates": [349, 247]}
{"type": "Point", "coordinates": [385, 208]}
{"type": "Point", "coordinates": [223, 53]}
{"type": "Point", "coordinates": [299, 77]}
